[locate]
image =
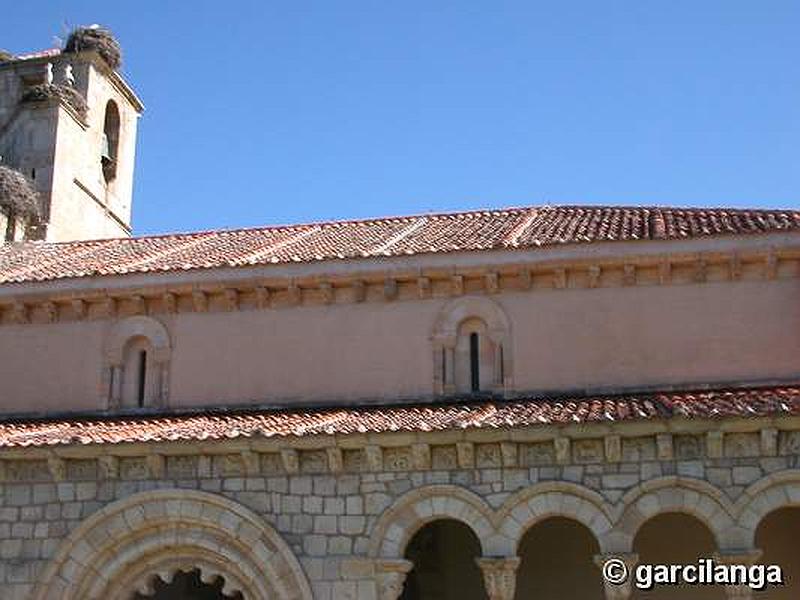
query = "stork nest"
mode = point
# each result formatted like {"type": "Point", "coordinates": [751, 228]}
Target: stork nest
{"type": "Point", "coordinates": [5, 56]}
{"type": "Point", "coordinates": [46, 91]}
{"type": "Point", "coordinates": [99, 39]}
{"type": "Point", "coordinates": [18, 193]}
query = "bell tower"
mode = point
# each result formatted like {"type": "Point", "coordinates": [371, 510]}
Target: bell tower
{"type": "Point", "coordinates": [68, 124]}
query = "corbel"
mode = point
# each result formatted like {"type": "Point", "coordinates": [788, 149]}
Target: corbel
{"type": "Point", "coordinates": [138, 304]}
{"type": "Point", "coordinates": [109, 467]}
{"type": "Point", "coordinates": [771, 266]}
{"type": "Point", "coordinates": [457, 285]}
{"type": "Point", "coordinates": [421, 456]}
{"type": "Point", "coordinates": [665, 272]}
{"type": "Point", "coordinates": [562, 447]}
{"type": "Point", "coordinates": [156, 465]}
{"type": "Point", "coordinates": [200, 301]}
{"type": "Point", "coordinates": [613, 448]}
{"type": "Point", "coordinates": [664, 446]}
{"type": "Point", "coordinates": [509, 452]}
{"type": "Point", "coordinates": [715, 441]}
{"type": "Point", "coordinates": [629, 274]}
{"type": "Point", "coordinates": [231, 299]}
{"type": "Point", "coordinates": [170, 302]}
{"type": "Point", "coordinates": [525, 279]}
{"type": "Point", "coordinates": [57, 467]}
{"type": "Point", "coordinates": [326, 291]}
{"type": "Point", "coordinates": [359, 290]}
{"type": "Point", "coordinates": [294, 294]}
{"type": "Point", "coordinates": [262, 297]}
{"type": "Point", "coordinates": [111, 307]}
{"type": "Point", "coordinates": [20, 313]}
{"type": "Point", "coordinates": [769, 441]}
{"type": "Point", "coordinates": [735, 266]}
{"type": "Point", "coordinates": [465, 451]}
{"type": "Point", "coordinates": [700, 270]}
{"type": "Point", "coordinates": [390, 289]}
{"type": "Point", "coordinates": [492, 282]}
{"type": "Point", "coordinates": [594, 276]}
{"type": "Point", "coordinates": [335, 459]}
{"type": "Point", "coordinates": [291, 460]}
{"type": "Point", "coordinates": [374, 457]}
{"type": "Point", "coordinates": [50, 311]}
{"type": "Point", "coordinates": [423, 287]}
{"type": "Point", "coordinates": [79, 308]}
{"type": "Point", "coordinates": [251, 461]}
{"type": "Point", "coordinates": [560, 278]}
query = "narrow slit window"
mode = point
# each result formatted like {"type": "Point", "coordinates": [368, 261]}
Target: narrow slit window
{"type": "Point", "coordinates": [444, 366]}
{"type": "Point", "coordinates": [474, 365]}
{"type": "Point", "coordinates": [142, 377]}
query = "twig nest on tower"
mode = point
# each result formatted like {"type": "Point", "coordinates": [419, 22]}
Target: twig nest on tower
{"type": "Point", "coordinates": [46, 91]}
{"type": "Point", "coordinates": [18, 193]}
{"type": "Point", "coordinates": [96, 38]}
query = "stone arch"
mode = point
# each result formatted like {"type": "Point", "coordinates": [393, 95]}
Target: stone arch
{"type": "Point", "coordinates": [671, 494]}
{"type": "Point", "coordinates": [121, 547]}
{"type": "Point", "coordinates": [138, 326]}
{"type": "Point", "coordinates": [398, 523]}
{"type": "Point", "coordinates": [777, 490]}
{"type": "Point", "coordinates": [444, 336]}
{"type": "Point", "coordinates": [533, 504]}
{"type": "Point", "coordinates": [155, 339]}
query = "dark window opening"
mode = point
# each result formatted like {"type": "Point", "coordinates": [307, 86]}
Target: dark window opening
{"type": "Point", "coordinates": [110, 147]}
{"type": "Point", "coordinates": [444, 366]}
{"type": "Point", "coordinates": [142, 377]}
{"type": "Point", "coordinates": [474, 366]}
{"type": "Point", "coordinates": [33, 173]}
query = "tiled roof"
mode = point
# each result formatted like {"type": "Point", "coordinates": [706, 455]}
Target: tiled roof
{"type": "Point", "coordinates": [774, 401]}
{"type": "Point", "coordinates": [398, 236]}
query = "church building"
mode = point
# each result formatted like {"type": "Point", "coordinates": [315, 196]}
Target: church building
{"type": "Point", "coordinates": [485, 405]}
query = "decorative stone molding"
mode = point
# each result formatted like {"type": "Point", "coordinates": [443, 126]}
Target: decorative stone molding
{"type": "Point", "coordinates": [677, 269]}
{"type": "Point", "coordinates": [390, 576]}
{"type": "Point", "coordinates": [499, 576]}
{"type": "Point", "coordinates": [159, 532]}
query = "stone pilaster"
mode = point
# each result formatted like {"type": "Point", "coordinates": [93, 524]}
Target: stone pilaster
{"type": "Point", "coordinates": [624, 589]}
{"type": "Point", "coordinates": [738, 557]}
{"type": "Point", "coordinates": [390, 575]}
{"type": "Point", "coordinates": [499, 576]}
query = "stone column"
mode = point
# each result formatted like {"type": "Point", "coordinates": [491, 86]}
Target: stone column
{"type": "Point", "coordinates": [499, 576]}
{"type": "Point", "coordinates": [623, 589]}
{"type": "Point", "coordinates": [116, 386]}
{"type": "Point", "coordinates": [738, 557]}
{"type": "Point", "coordinates": [449, 368]}
{"type": "Point", "coordinates": [390, 575]}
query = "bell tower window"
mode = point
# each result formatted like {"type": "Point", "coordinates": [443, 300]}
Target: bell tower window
{"type": "Point", "coordinates": [110, 146]}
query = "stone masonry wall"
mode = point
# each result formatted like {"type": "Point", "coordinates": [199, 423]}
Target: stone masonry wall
{"type": "Point", "coordinates": [327, 512]}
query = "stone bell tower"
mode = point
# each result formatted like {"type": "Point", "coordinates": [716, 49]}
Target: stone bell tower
{"type": "Point", "coordinates": [68, 124]}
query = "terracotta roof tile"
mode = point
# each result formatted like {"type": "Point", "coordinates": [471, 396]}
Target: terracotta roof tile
{"type": "Point", "coordinates": [395, 236]}
{"type": "Point", "coordinates": [532, 412]}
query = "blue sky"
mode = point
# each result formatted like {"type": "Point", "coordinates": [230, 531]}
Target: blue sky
{"type": "Point", "coordinates": [278, 112]}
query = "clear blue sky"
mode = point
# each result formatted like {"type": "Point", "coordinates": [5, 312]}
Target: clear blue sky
{"type": "Point", "coordinates": [276, 112]}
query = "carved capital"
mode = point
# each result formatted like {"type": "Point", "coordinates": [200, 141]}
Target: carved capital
{"type": "Point", "coordinates": [746, 557]}
{"type": "Point", "coordinates": [623, 590]}
{"type": "Point", "coordinates": [499, 576]}
{"type": "Point", "coordinates": [390, 575]}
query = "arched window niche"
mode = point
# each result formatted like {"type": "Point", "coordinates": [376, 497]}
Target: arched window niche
{"type": "Point", "coordinates": [110, 146]}
{"type": "Point", "coordinates": [472, 348]}
{"type": "Point", "coordinates": [136, 374]}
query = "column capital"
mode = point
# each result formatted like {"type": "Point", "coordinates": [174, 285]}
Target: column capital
{"type": "Point", "coordinates": [745, 556]}
{"type": "Point", "coordinates": [623, 589]}
{"type": "Point", "coordinates": [390, 575]}
{"type": "Point", "coordinates": [499, 576]}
